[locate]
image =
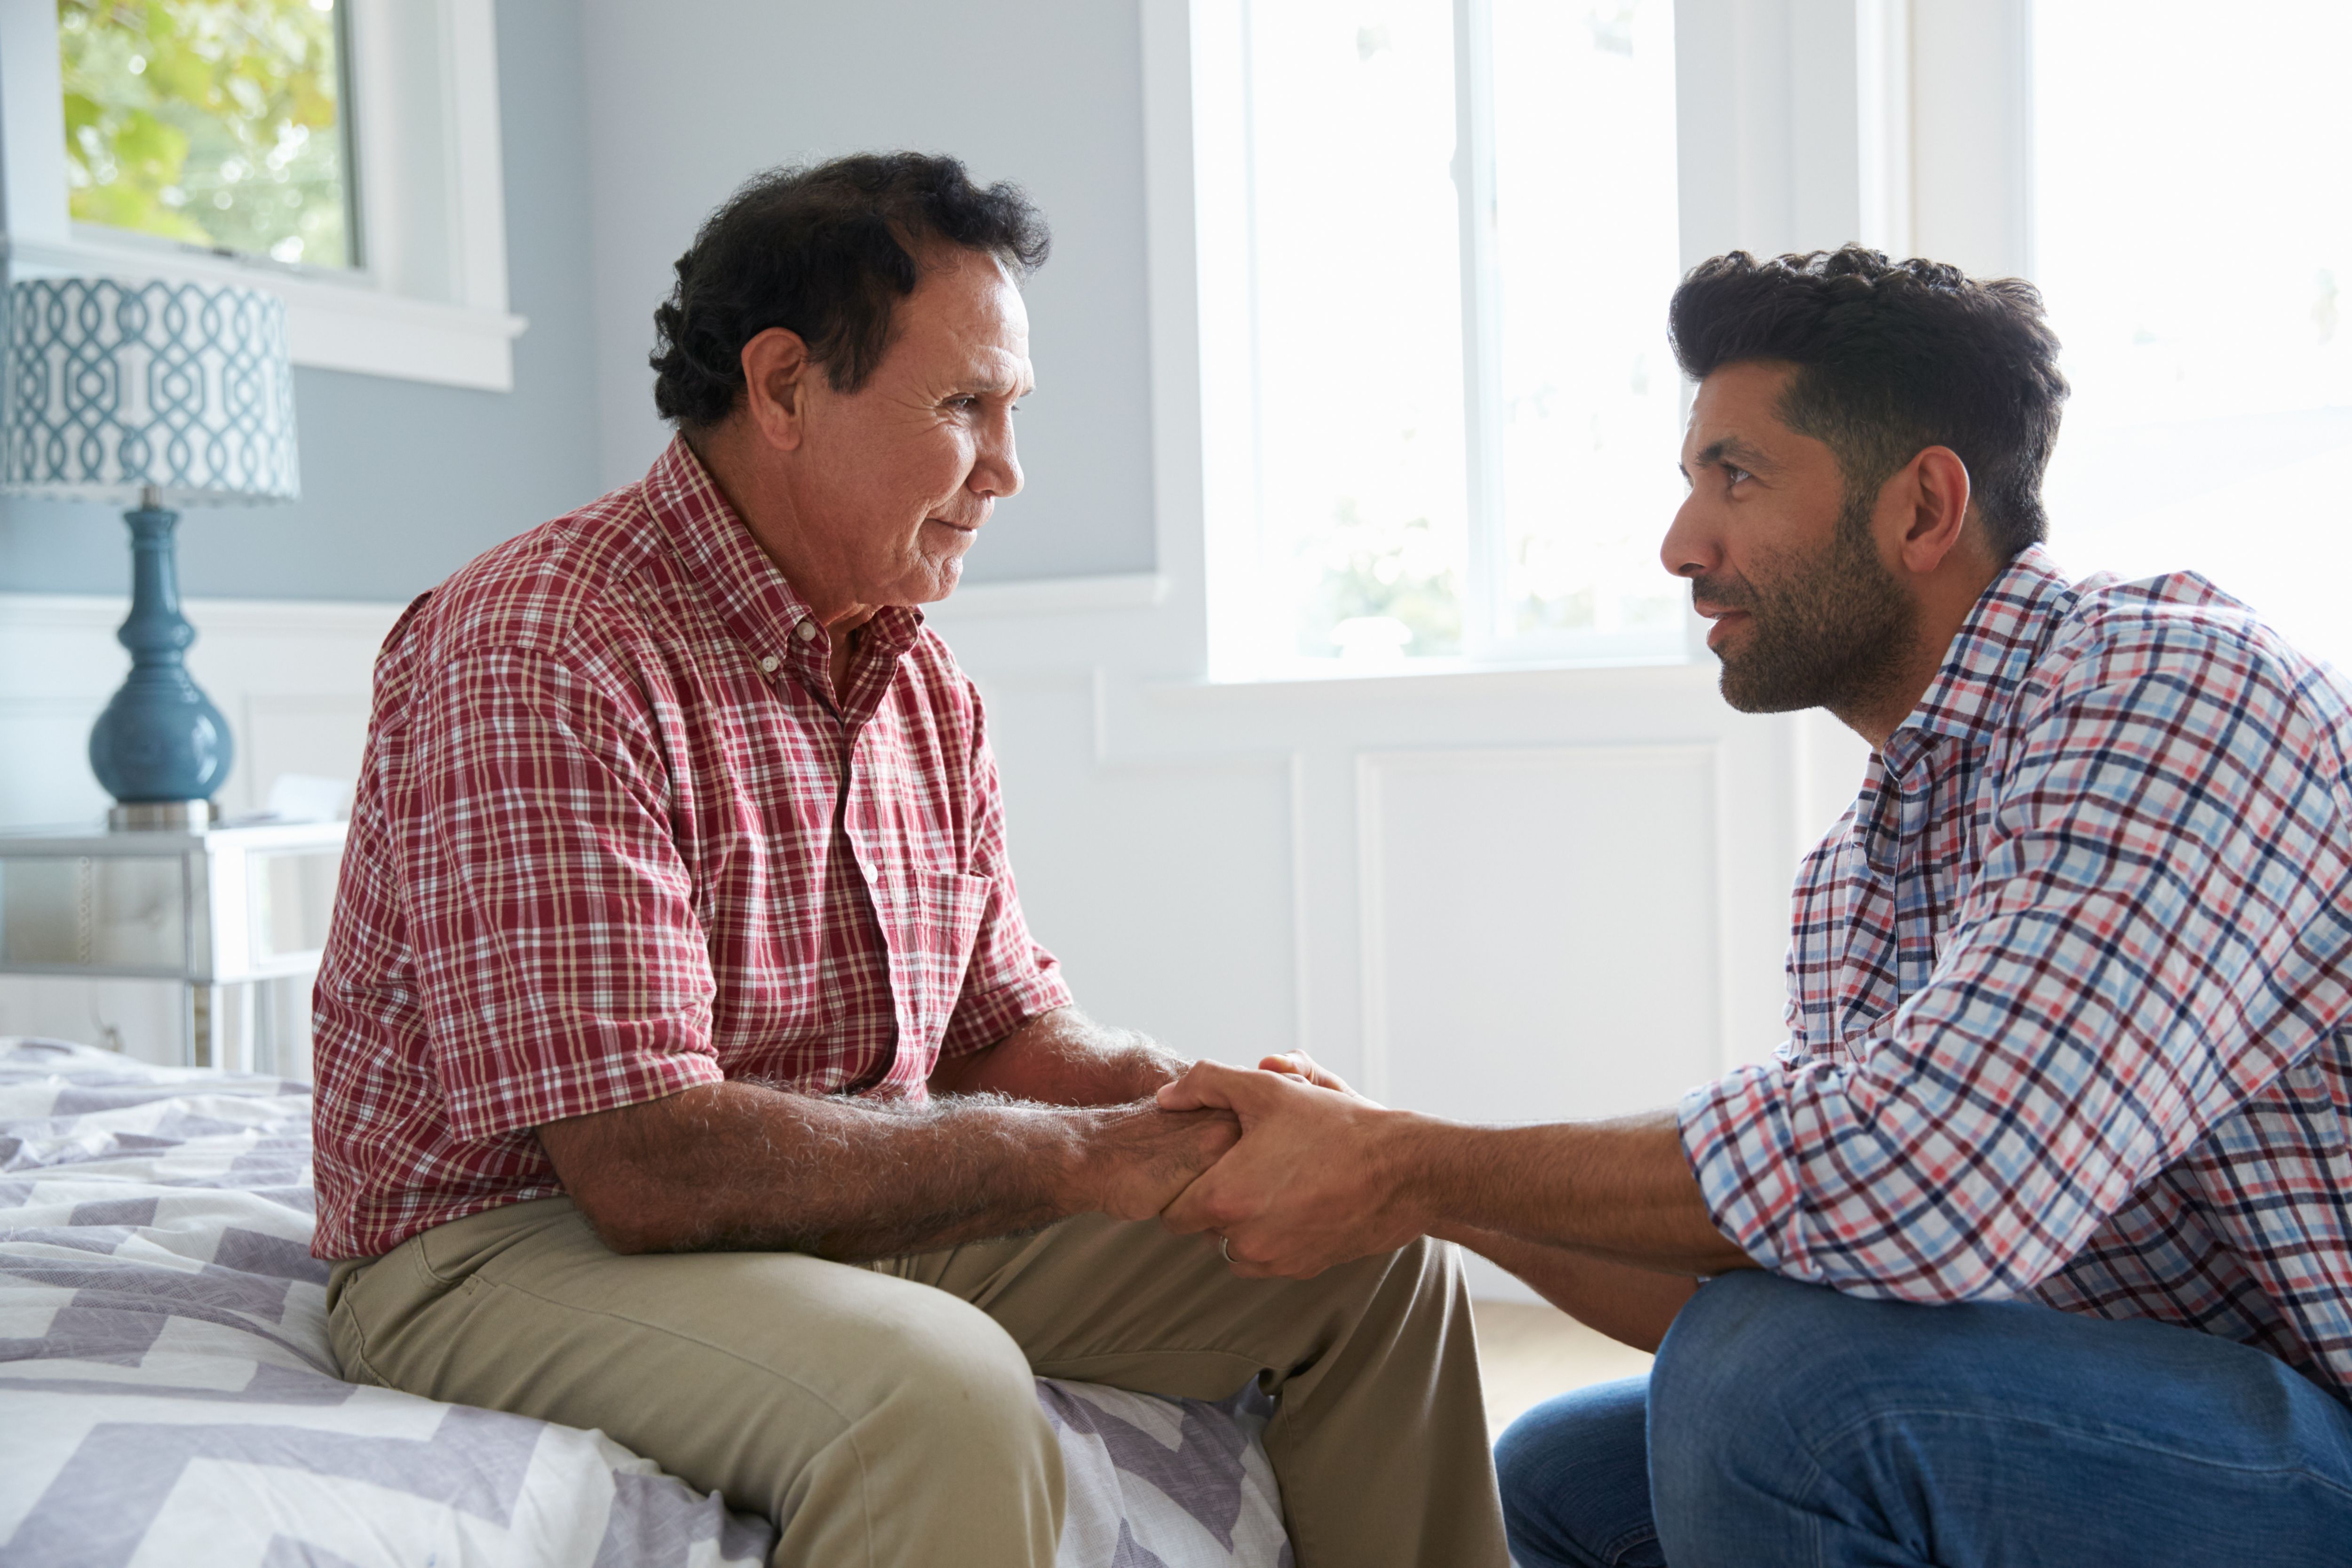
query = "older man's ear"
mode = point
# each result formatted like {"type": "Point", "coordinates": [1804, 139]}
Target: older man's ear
{"type": "Point", "coordinates": [776, 375]}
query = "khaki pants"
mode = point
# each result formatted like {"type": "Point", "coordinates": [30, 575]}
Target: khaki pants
{"type": "Point", "coordinates": [883, 1415]}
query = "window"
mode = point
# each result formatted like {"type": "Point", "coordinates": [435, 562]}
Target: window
{"type": "Point", "coordinates": [2192, 238]}
{"type": "Point", "coordinates": [216, 122]}
{"type": "Point", "coordinates": [206, 140]}
{"type": "Point", "coordinates": [1459, 438]}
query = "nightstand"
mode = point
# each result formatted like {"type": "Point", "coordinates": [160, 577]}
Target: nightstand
{"type": "Point", "coordinates": [215, 911]}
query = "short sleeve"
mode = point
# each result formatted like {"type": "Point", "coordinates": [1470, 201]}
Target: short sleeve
{"type": "Point", "coordinates": [563, 968]}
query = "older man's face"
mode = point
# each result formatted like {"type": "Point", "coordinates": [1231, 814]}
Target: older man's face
{"type": "Point", "coordinates": [901, 473]}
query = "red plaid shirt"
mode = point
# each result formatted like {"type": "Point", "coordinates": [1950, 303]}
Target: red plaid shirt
{"type": "Point", "coordinates": [2071, 989]}
{"type": "Point", "coordinates": [615, 838]}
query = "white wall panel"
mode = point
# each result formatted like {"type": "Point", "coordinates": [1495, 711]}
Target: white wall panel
{"type": "Point", "coordinates": [320, 734]}
{"type": "Point", "coordinates": [1165, 889]}
{"type": "Point", "coordinates": [1508, 896]}
{"type": "Point", "coordinates": [1540, 929]}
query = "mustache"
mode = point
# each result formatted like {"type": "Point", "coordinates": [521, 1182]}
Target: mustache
{"type": "Point", "coordinates": [1726, 592]}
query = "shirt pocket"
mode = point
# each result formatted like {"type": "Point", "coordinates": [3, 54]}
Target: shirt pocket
{"type": "Point", "coordinates": [932, 931]}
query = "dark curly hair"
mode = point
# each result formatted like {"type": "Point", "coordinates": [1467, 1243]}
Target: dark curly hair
{"type": "Point", "coordinates": [824, 250]}
{"type": "Point", "coordinates": [1893, 357]}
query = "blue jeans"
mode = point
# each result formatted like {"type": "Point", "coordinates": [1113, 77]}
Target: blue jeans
{"type": "Point", "coordinates": [1786, 1424]}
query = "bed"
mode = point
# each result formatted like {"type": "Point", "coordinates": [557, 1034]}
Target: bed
{"type": "Point", "coordinates": [167, 1393]}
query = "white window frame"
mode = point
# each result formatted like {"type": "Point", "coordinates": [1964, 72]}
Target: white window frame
{"type": "Point", "coordinates": [1970, 127]}
{"type": "Point", "coordinates": [428, 302]}
{"type": "Point", "coordinates": [1800, 124]}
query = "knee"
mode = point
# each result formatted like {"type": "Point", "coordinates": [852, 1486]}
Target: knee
{"type": "Point", "coordinates": [1749, 1337]}
{"type": "Point", "coordinates": [956, 1380]}
{"type": "Point", "coordinates": [1752, 1367]}
{"type": "Point", "coordinates": [1752, 1347]}
{"type": "Point", "coordinates": [1573, 1474]}
{"type": "Point", "coordinates": [1566, 1435]}
{"type": "Point", "coordinates": [943, 1436]}
{"type": "Point", "coordinates": [1434, 1266]}
{"type": "Point", "coordinates": [1422, 1278]}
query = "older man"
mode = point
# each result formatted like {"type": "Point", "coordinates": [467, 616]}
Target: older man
{"type": "Point", "coordinates": [2036, 1245]}
{"type": "Point", "coordinates": [686, 1070]}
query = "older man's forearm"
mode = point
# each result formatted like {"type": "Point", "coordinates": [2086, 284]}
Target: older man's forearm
{"type": "Point", "coordinates": [1063, 1058]}
{"type": "Point", "coordinates": [738, 1166]}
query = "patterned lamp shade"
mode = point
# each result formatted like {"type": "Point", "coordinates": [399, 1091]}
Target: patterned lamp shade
{"type": "Point", "coordinates": [115, 386]}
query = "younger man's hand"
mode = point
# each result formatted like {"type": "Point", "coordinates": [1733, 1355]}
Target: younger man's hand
{"type": "Point", "coordinates": [1313, 1182]}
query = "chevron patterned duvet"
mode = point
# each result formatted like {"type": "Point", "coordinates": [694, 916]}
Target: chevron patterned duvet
{"type": "Point", "coordinates": [167, 1395]}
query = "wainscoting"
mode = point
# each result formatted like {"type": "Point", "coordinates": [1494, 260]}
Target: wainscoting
{"type": "Point", "coordinates": [1504, 896]}
{"type": "Point", "coordinates": [292, 680]}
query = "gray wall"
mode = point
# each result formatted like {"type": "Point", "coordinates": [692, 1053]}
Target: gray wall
{"type": "Point", "coordinates": [402, 482]}
{"type": "Point", "coordinates": [690, 99]}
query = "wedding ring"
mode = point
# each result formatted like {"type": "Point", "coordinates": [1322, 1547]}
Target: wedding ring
{"type": "Point", "coordinates": [1225, 1246]}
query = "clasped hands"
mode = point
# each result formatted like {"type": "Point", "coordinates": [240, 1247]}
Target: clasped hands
{"type": "Point", "coordinates": [1317, 1179]}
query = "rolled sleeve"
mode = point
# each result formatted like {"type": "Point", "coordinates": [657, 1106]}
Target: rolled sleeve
{"type": "Point", "coordinates": [2158, 930]}
{"type": "Point", "coordinates": [562, 969]}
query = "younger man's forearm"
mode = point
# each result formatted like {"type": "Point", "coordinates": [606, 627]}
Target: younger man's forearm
{"type": "Point", "coordinates": [1619, 1190]}
{"type": "Point", "coordinates": [1633, 1306]}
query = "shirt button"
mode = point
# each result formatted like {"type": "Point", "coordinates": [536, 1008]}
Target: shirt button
{"type": "Point", "coordinates": [805, 631]}
{"type": "Point", "coordinates": [769, 664]}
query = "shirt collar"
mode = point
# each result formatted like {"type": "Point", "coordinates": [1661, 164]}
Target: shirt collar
{"type": "Point", "coordinates": [1997, 646]}
{"type": "Point", "coordinates": [751, 596]}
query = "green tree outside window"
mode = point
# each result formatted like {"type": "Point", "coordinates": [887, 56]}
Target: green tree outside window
{"type": "Point", "coordinates": [214, 121]}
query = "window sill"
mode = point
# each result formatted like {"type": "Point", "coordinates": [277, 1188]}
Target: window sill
{"type": "Point", "coordinates": [1422, 678]}
{"type": "Point", "coordinates": [330, 324]}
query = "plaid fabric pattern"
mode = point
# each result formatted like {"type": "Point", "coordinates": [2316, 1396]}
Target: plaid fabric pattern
{"type": "Point", "coordinates": [2068, 990]}
{"type": "Point", "coordinates": [615, 837]}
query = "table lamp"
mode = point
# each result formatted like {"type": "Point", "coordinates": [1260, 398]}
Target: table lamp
{"type": "Point", "coordinates": [161, 395]}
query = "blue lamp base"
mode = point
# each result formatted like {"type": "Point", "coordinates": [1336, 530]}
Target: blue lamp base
{"type": "Point", "coordinates": [160, 742]}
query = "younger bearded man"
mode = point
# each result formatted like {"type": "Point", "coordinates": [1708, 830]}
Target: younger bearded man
{"type": "Point", "coordinates": [2035, 1247]}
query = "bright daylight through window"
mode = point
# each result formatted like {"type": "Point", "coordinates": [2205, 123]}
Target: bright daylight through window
{"type": "Point", "coordinates": [2193, 239]}
{"type": "Point", "coordinates": [216, 122]}
{"type": "Point", "coordinates": [1461, 237]}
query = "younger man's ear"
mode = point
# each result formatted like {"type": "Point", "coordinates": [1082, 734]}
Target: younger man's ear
{"type": "Point", "coordinates": [1935, 492]}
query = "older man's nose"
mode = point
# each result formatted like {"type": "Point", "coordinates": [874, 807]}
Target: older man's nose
{"type": "Point", "coordinates": [998, 471]}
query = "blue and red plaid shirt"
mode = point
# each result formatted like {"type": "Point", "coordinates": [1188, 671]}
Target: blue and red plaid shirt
{"type": "Point", "coordinates": [2071, 987]}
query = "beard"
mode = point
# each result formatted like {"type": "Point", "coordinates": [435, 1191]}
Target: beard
{"type": "Point", "coordinates": [1828, 630]}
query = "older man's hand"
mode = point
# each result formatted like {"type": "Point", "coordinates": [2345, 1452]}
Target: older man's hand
{"type": "Point", "coordinates": [1314, 1181]}
{"type": "Point", "coordinates": [1134, 1160]}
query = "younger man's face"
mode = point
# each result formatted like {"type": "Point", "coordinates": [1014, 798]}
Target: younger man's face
{"type": "Point", "coordinates": [1780, 557]}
